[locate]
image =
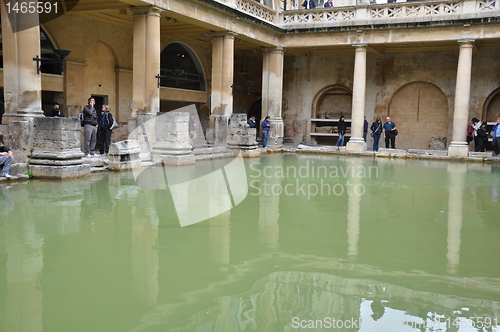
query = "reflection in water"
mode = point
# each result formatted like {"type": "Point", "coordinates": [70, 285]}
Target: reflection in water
{"type": "Point", "coordinates": [104, 254]}
{"type": "Point", "coordinates": [354, 209]}
{"type": "Point", "coordinates": [456, 173]}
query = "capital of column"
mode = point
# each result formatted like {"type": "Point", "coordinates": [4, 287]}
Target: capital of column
{"type": "Point", "coordinates": [466, 42]}
{"type": "Point", "coordinates": [224, 34]}
{"type": "Point", "coordinates": [360, 47]}
{"type": "Point", "coordinates": [274, 50]}
{"type": "Point", "coordinates": [146, 10]}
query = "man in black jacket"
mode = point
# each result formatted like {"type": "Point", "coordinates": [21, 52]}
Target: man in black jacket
{"type": "Point", "coordinates": [90, 129]}
{"type": "Point", "coordinates": [309, 4]}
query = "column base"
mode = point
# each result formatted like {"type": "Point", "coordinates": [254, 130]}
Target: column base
{"type": "Point", "coordinates": [275, 138]}
{"type": "Point", "coordinates": [458, 149]}
{"type": "Point", "coordinates": [356, 145]}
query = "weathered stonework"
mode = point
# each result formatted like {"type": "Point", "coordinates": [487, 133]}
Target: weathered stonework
{"type": "Point", "coordinates": [241, 136]}
{"type": "Point", "coordinates": [124, 155]}
{"type": "Point", "coordinates": [56, 149]}
{"type": "Point", "coordinates": [173, 143]}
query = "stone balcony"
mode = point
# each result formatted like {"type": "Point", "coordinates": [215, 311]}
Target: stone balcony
{"type": "Point", "coordinates": [366, 13]}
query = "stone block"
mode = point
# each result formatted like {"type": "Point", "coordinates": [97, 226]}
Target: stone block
{"type": "Point", "coordinates": [124, 155]}
{"type": "Point", "coordinates": [124, 147]}
{"type": "Point", "coordinates": [240, 135]}
{"type": "Point", "coordinates": [458, 150]}
{"type": "Point", "coordinates": [18, 168]}
{"type": "Point", "coordinates": [20, 139]}
{"type": "Point", "coordinates": [176, 160]}
{"type": "Point", "coordinates": [438, 143]}
{"type": "Point", "coordinates": [473, 154]}
{"type": "Point", "coordinates": [250, 153]}
{"type": "Point", "coordinates": [94, 162]}
{"type": "Point", "coordinates": [384, 152]}
{"type": "Point", "coordinates": [58, 172]}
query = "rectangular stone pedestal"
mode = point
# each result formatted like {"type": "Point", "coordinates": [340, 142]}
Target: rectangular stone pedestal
{"type": "Point", "coordinates": [458, 151]}
{"type": "Point", "coordinates": [59, 172]}
{"type": "Point", "coordinates": [124, 155]}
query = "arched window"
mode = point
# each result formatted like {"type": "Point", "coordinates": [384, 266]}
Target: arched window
{"type": "Point", "coordinates": [47, 52]}
{"type": "Point", "coordinates": [176, 57]}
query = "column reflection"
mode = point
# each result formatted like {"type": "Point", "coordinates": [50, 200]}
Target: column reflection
{"type": "Point", "coordinates": [456, 176]}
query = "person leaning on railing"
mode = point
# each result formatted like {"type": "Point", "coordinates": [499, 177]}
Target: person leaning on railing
{"type": "Point", "coordinates": [328, 4]}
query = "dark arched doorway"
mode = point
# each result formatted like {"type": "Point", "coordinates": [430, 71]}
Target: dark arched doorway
{"type": "Point", "coordinates": [181, 68]}
{"type": "Point", "coordinates": [491, 109]}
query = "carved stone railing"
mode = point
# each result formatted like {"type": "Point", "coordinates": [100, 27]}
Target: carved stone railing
{"type": "Point", "coordinates": [256, 9]}
{"type": "Point", "coordinates": [386, 13]}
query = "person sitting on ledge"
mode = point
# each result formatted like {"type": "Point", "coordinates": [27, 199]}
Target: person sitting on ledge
{"type": "Point", "coordinates": [6, 158]}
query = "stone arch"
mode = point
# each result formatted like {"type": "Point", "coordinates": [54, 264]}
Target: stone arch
{"type": "Point", "coordinates": [177, 55]}
{"type": "Point", "coordinates": [491, 107]}
{"type": "Point", "coordinates": [332, 101]}
{"type": "Point", "coordinates": [99, 77]}
{"type": "Point", "coordinates": [420, 111]}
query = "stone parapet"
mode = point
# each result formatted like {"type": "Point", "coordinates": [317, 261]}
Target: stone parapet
{"type": "Point", "coordinates": [56, 149]}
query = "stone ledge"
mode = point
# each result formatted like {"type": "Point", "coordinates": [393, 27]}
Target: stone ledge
{"type": "Point", "coordinates": [480, 154]}
{"type": "Point", "coordinates": [428, 152]}
{"type": "Point", "coordinates": [60, 172]}
{"type": "Point", "coordinates": [4, 180]}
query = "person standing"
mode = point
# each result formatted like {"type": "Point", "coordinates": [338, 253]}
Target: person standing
{"type": "Point", "coordinates": [365, 129]}
{"type": "Point", "coordinates": [495, 133]}
{"type": "Point", "coordinates": [341, 128]}
{"type": "Point", "coordinates": [6, 158]}
{"type": "Point", "coordinates": [481, 137]}
{"type": "Point", "coordinates": [90, 128]}
{"type": "Point", "coordinates": [328, 4]}
{"type": "Point", "coordinates": [376, 129]}
{"type": "Point", "coordinates": [105, 130]}
{"type": "Point", "coordinates": [309, 4]}
{"type": "Point", "coordinates": [389, 133]}
{"type": "Point", "coordinates": [55, 112]}
{"type": "Point", "coordinates": [266, 126]}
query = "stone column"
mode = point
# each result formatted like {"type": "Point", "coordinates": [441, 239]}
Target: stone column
{"type": "Point", "coordinates": [272, 94]}
{"type": "Point", "coordinates": [356, 142]}
{"type": "Point", "coordinates": [221, 106]}
{"type": "Point", "coordinates": [458, 146]}
{"type": "Point", "coordinates": [22, 84]}
{"type": "Point", "coordinates": [146, 60]}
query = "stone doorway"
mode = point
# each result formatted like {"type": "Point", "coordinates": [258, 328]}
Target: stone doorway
{"type": "Point", "coordinates": [420, 111]}
{"type": "Point", "coordinates": [491, 109]}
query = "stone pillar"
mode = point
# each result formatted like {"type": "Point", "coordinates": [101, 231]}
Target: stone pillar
{"type": "Point", "coordinates": [241, 137]}
{"type": "Point", "coordinates": [22, 84]}
{"type": "Point", "coordinates": [57, 149]}
{"type": "Point", "coordinates": [221, 106]}
{"type": "Point", "coordinates": [356, 142]}
{"type": "Point", "coordinates": [272, 94]}
{"type": "Point", "coordinates": [172, 145]}
{"type": "Point", "coordinates": [458, 146]}
{"type": "Point", "coordinates": [146, 60]}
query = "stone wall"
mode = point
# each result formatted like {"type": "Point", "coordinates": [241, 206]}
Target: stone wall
{"type": "Point", "coordinates": [387, 77]}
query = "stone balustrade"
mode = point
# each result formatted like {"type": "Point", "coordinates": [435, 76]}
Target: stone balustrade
{"type": "Point", "coordinates": [416, 11]}
{"type": "Point", "coordinates": [391, 12]}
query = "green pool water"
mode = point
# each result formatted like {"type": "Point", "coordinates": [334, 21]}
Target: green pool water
{"type": "Point", "coordinates": [311, 243]}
